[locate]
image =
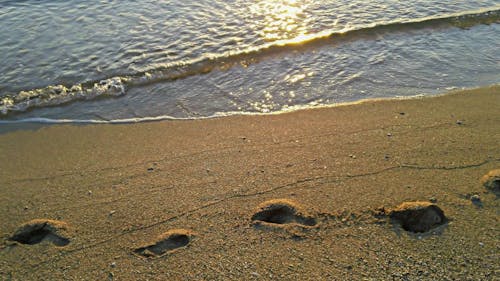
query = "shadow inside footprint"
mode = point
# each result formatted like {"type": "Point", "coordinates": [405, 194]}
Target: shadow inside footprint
{"type": "Point", "coordinates": [40, 230]}
{"type": "Point", "coordinates": [282, 211]}
{"type": "Point", "coordinates": [166, 243]}
{"type": "Point", "coordinates": [418, 217]}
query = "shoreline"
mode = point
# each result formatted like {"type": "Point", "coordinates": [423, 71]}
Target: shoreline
{"type": "Point", "coordinates": [118, 187]}
{"type": "Point", "coordinates": [30, 123]}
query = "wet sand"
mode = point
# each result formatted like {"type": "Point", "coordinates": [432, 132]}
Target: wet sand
{"type": "Point", "coordinates": [305, 195]}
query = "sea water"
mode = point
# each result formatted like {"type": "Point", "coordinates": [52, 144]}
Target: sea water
{"type": "Point", "coordinates": [121, 61]}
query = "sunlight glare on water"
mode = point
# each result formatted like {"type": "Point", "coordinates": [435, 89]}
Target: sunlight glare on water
{"type": "Point", "coordinates": [108, 60]}
{"type": "Point", "coordinates": [278, 20]}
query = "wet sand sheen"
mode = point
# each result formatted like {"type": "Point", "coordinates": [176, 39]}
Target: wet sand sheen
{"type": "Point", "coordinates": [309, 195]}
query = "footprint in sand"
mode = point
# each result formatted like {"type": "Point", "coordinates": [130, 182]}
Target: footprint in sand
{"type": "Point", "coordinates": [166, 243]}
{"type": "Point", "coordinates": [492, 181]}
{"type": "Point", "coordinates": [39, 230]}
{"type": "Point", "coordinates": [417, 217]}
{"type": "Point", "coordinates": [282, 212]}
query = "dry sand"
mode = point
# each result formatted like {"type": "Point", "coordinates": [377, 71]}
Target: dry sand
{"type": "Point", "coordinates": [175, 200]}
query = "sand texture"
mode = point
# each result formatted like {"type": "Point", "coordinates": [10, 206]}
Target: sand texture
{"type": "Point", "coordinates": [310, 195]}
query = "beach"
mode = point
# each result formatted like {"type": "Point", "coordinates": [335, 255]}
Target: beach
{"type": "Point", "coordinates": [107, 195]}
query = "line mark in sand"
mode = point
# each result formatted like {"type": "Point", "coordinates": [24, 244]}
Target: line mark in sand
{"type": "Point", "coordinates": [281, 212]}
{"type": "Point", "coordinates": [39, 230]}
{"type": "Point", "coordinates": [320, 180]}
{"type": "Point", "coordinates": [166, 243]}
{"type": "Point", "coordinates": [416, 217]}
{"type": "Point", "coordinates": [218, 149]}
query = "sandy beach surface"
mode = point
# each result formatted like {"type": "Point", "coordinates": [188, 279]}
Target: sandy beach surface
{"type": "Point", "coordinates": [307, 195]}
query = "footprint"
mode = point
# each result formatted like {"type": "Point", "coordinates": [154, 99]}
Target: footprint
{"type": "Point", "coordinates": [168, 242]}
{"type": "Point", "coordinates": [282, 211]}
{"type": "Point", "coordinates": [418, 217]}
{"type": "Point", "coordinates": [492, 181]}
{"type": "Point", "coordinates": [39, 230]}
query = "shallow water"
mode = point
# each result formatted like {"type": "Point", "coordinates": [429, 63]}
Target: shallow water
{"type": "Point", "coordinates": [191, 59]}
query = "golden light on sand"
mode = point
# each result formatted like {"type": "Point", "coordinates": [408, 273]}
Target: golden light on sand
{"type": "Point", "coordinates": [280, 20]}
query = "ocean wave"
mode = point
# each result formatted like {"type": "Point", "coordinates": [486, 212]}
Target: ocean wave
{"type": "Point", "coordinates": [117, 86]}
{"type": "Point", "coordinates": [59, 94]}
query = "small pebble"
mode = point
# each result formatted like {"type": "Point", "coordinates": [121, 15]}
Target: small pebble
{"type": "Point", "coordinates": [481, 244]}
{"type": "Point", "coordinates": [26, 208]}
{"type": "Point", "coordinates": [389, 134]}
{"type": "Point", "coordinates": [90, 192]}
{"type": "Point", "coordinates": [460, 122]}
{"type": "Point", "coordinates": [255, 274]}
{"type": "Point", "coordinates": [113, 264]}
{"type": "Point", "coordinates": [475, 198]}
{"type": "Point", "coordinates": [433, 200]}
{"type": "Point", "coordinates": [112, 212]}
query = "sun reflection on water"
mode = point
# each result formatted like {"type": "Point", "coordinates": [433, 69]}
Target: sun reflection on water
{"type": "Point", "coordinates": [280, 20]}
